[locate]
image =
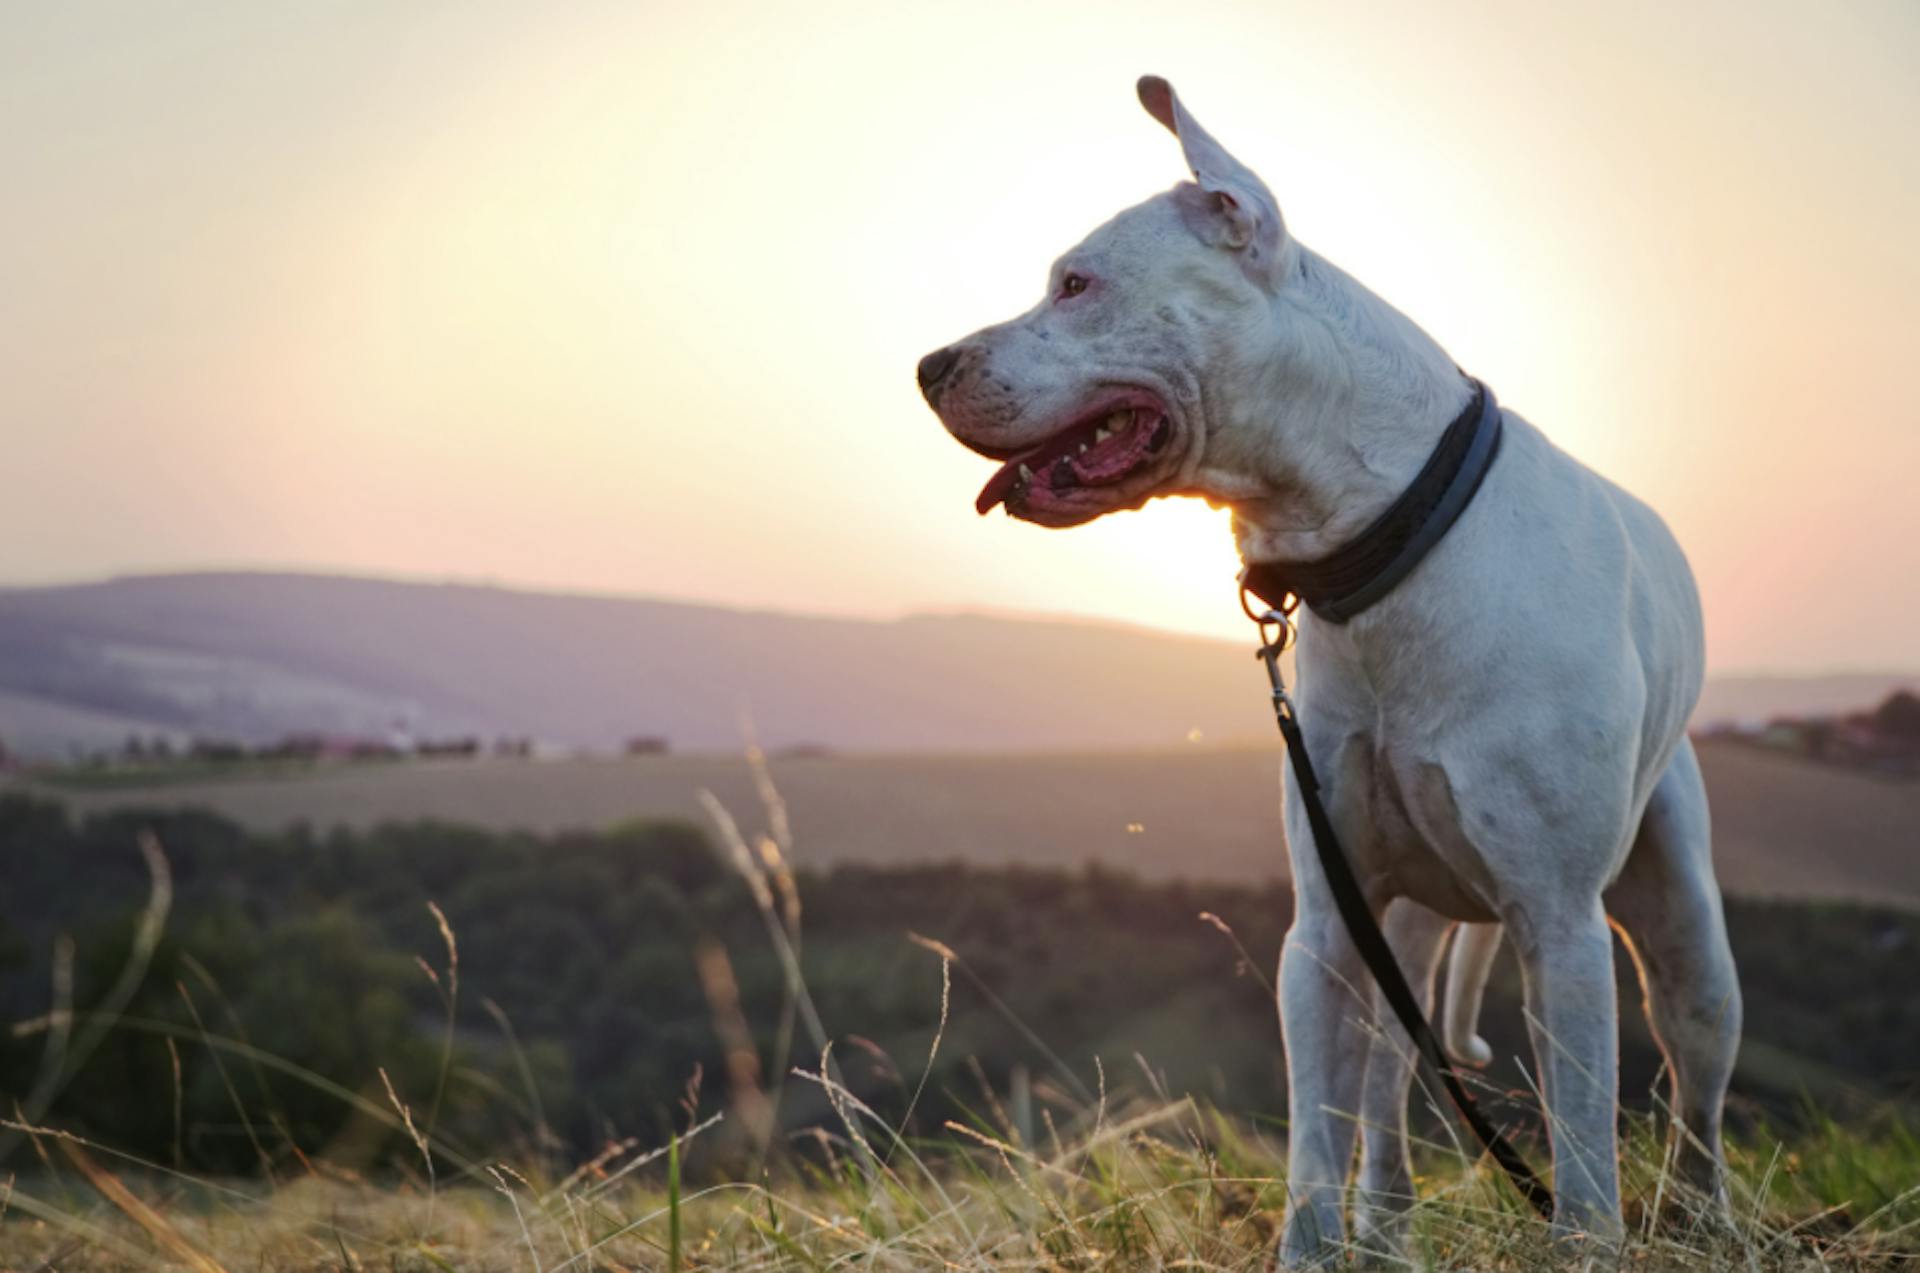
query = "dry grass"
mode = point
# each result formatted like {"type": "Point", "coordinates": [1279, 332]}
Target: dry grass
{"type": "Point", "coordinates": [1172, 1187]}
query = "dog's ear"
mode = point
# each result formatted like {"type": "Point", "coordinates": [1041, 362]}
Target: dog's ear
{"type": "Point", "coordinates": [1244, 210]}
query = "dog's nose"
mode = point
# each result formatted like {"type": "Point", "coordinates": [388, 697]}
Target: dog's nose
{"type": "Point", "coordinates": [934, 368]}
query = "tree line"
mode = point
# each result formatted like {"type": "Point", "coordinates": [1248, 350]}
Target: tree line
{"type": "Point", "coordinates": [595, 987]}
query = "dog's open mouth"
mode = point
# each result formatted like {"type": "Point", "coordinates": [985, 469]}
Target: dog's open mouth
{"type": "Point", "coordinates": [1102, 449]}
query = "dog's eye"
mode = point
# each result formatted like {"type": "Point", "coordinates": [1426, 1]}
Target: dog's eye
{"type": "Point", "coordinates": [1073, 285]}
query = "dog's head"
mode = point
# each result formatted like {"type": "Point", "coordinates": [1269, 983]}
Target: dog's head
{"type": "Point", "coordinates": [1142, 356]}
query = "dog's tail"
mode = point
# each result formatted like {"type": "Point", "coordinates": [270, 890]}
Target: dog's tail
{"type": "Point", "coordinates": [1474, 946]}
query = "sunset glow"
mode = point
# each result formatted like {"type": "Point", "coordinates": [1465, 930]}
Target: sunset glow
{"type": "Point", "coordinates": [628, 297]}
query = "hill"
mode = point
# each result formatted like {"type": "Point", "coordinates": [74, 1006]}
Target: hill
{"type": "Point", "coordinates": [257, 656]}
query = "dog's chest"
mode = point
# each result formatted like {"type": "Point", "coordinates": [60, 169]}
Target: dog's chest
{"type": "Point", "coordinates": [1405, 827]}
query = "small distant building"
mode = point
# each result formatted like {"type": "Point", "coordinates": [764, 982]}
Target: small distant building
{"type": "Point", "coordinates": [647, 745]}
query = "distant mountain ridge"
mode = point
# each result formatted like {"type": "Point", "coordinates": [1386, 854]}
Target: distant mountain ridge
{"type": "Point", "coordinates": [258, 656]}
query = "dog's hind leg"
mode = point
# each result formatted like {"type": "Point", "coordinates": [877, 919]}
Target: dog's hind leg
{"type": "Point", "coordinates": [1667, 905]}
{"type": "Point", "coordinates": [1417, 936]}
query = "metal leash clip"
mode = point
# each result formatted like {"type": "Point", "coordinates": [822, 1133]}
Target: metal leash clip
{"type": "Point", "coordinates": [1276, 637]}
{"type": "Point", "coordinates": [1270, 651]}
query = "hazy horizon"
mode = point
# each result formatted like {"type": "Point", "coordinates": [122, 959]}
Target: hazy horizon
{"type": "Point", "coordinates": [1898, 672]}
{"type": "Point", "coordinates": [625, 300]}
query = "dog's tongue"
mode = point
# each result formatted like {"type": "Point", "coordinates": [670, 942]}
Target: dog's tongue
{"type": "Point", "coordinates": [998, 487]}
{"type": "Point", "coordinates": [1087, 456]}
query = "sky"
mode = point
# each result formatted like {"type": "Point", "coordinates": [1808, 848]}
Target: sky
{"type": "Point", "coordinates": [628, 297]}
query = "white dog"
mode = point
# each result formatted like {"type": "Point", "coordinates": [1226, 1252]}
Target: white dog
{"type": "Point", "coordinates": [1500, 738]}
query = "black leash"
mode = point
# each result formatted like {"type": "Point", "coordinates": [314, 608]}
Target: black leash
{"type": "Point", "coordinates": [1365, 930]}
{"type": "Point", "coordinates": [1338, 587]}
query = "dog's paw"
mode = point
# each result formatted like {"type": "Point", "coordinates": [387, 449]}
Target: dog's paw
{"type": "Point", "coordinates": [1473, 1050]}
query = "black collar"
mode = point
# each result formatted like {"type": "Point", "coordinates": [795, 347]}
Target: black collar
{"type": "Point", "coordinates": [1360, 572]}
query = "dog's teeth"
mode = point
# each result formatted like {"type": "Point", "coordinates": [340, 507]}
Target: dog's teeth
{"type": "Point", "coordinates": [1026, 474]}
{"type": "Point", "coordinates": [1118, 420]}
{"type": "Point", "coordinates": [1083, 445]}
{"type": "Point", "coordinates": [1100, 435]}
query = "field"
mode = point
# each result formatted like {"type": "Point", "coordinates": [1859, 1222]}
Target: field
{"type": "Point", "coordinates": [620, 1061]}
{"type": "Point", "coordinates": [1783, 827]}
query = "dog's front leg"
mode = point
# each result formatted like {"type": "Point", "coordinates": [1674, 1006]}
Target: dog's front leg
{"type": "Point", "coordinates": [1323, 1005]}
{"type": "Point", "coordinates": [1384, 1200]}
{"type": "Point", "coordinates": [1325, 1009]}
{"type": "Point", "coordinates": [1566, 953]}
